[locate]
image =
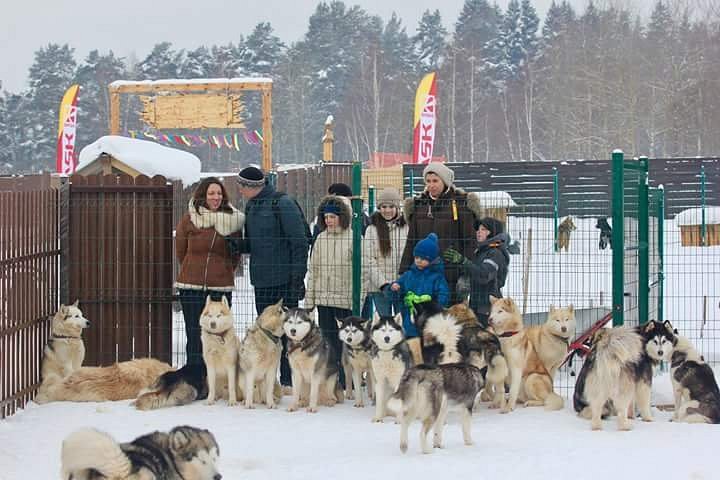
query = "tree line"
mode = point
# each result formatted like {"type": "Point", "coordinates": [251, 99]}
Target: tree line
{"type": "Point", "coordinates": [510, 88]}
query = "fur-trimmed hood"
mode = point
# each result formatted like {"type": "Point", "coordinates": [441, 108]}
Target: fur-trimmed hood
{"type": "Point", "coordinates": [342, 204]}
{"type": "Point", "coordinates": [224, 222]}
{"type": "Point", "coordinates": [472, 200]}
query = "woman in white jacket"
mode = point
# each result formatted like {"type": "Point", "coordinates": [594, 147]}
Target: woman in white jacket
{"type": "Point", "coordinates": [383, 247]}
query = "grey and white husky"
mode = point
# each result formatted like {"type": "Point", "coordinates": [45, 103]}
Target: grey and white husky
{"type": "Point", "coordinates": [184, 453]}
{"type": "Point", "coordinates": [65, 350]}
{"type": "Point", "coordinates": [619, 368]}
{"type": "Point", "coordinates": [355, 358]}
{"type": "Point", "coordinates": [697, 397]}
{"type": "Point", "coordinates": [390, 358]}
{"type": "Point", "coordinates": [428, 392]}
{"type": "Point", "coordinates": [313, 363]}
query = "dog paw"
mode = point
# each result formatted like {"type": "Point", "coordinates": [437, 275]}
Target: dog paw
{"type": "Point", "coordinates": [469, 443]}
{"type": "Point", "coordinates": [506, 409]}
{"type": "Point", "coordinates": [596, 426]}
{"type": "Point", "coordinates": [349, 396]}
{"type": "Point", "coordinates": [493, 406]}
{"type": "Point", "coordinates": [648, 419]}
{"type": "Point", "coordinates": [209, 402]}
{"type": "Point", "coordinates": [250, 406]}
{"type": "Point", "coordinates": [312, 410]}
{"type": "Point", "coordinates": [232, 403]}
{"type": "Point", "coordinates": [271, 406]}
{"type": "Point", "coordinates": [359, 405]}
{"type": "Point", "coordinates": [403, 447]}
{"type": "Point", "coordinates": [292, 408]}
{"type": "Point", "coordinates": [377, 420]}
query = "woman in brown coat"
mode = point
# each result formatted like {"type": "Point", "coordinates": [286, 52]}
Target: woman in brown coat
{"type": "Point", "coordinates": [206, 264]}
{"type": "Point", "coordinates": [441, 209]}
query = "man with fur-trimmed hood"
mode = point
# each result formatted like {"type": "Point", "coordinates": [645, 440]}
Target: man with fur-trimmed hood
{"type": "Point", "coordinates": [442, 209]}
{"type": "Point", "coordinates": [330, 273]}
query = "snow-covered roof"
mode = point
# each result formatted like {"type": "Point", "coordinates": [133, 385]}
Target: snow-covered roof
{"type": "Point", "coordinates": [693, 216]}
{"type": "Point", "coordinates": [495, 199]}
{"type": "Point", "coordinates": [146, 157]}
{"type": "Point", "coordinates": [190, 81]}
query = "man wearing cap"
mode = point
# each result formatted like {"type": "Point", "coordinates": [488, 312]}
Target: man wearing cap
{"type": "Point", "coordinates": [488, 267]}
{"type": "Point", "coordinates": [276, 241]}
{"type": "Point", "coordinates": [442, 209]}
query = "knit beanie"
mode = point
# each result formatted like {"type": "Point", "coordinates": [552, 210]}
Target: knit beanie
{"type": "Point", "coordinates": [494, 225]}
{"type": "Point", "coordinates": [340, 189]}
{"type": "Point", "coordinates": [331, 208]}
{"type": "Point", "coordinates": [251, 177]}
{"type": "Point", "coordinates": [389, 196]}
{"type": "Point", "coordinates": [439, 169]}
{"type": "Point", "coordinates": [427, 248]}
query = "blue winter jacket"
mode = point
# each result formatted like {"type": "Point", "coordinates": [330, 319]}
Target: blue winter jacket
{"type": "Point", "coordinates": [429, 281]}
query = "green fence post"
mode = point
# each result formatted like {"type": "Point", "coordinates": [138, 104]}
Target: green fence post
{"type": "Point", "coordinates": [618, 243]}
{"type": "Point", "coordinates": [412, 182]}
{"type": "Point", "coordinates": [703, 228]}
{"type": "Point", "coordinates": [357, 233]}
{"type": "Point", "coordinates": [643, 243]}
{"type": "Point", "coordinates": [661, 252]}
{"type": "Point", "coordinates": [272, 178]}
{"type": "Point", "coordinates": [556, 210]}
{"type": "Point", "coordinates": [371, 199]}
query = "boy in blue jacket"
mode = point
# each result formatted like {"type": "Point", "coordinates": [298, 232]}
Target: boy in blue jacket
{"type": "Point", "coordinates": [425, 277]}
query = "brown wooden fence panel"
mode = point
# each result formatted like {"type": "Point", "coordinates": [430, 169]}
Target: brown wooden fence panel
{"type": "Point", "coordinates": [29, 253]}
{"type": "Point", "coordinates": [121, 265]}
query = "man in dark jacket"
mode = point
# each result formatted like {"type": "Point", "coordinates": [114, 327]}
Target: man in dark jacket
{"type": "Point", "coordinates": [489, 267]}
{"type": "Point", "coordinates": [276, 241]}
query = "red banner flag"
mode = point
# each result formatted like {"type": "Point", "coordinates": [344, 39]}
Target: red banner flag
{"type": "Point", "coordinates": [425, 119]}
{"type": "Point", "coordinates": [67, 126]}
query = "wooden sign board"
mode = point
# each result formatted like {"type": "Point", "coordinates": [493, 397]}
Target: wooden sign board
{"type": "Point", "coordinates": [193, 111]}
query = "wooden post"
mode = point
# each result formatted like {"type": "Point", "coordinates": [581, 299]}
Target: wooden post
{"type": "Point", "coordinates": [328, 140]}
{"type": "Point", "coordinates": [267, 128]}
{"type": "Point", "coordinates": [114, 111]}
{"type": "Point", "coordinates": [526, 269]}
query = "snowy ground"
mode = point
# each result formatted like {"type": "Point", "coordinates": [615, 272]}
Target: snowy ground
{"type": "Point", "coordinates": [342, 443]}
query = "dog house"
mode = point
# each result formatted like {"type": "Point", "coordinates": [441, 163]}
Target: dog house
{"type": "Point", "coordinates": [690, 222]}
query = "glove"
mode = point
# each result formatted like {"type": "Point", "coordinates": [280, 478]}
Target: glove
{"type": "Point", "coordinates": [297, 287]}
{"type": "Point", "coordinates": [453, 256]}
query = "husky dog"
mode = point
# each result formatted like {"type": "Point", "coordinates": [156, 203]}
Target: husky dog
{"type": "Point", "coordinates": [697, 397]}
{"type": "Point", "coordinates": [564, 229]}
{"type": "Point", "coordinates": [313, 363]}
{"type": "Point", "coordinates": [619, 368]}
{"type": "Point", "coordinates": [220, 348]}
{"type": "Point", "coordinates": [480, 347]}
{"type": "Point", "coordinates": [121, 381]}
{"type": "Point", "coordinates": [390, 358]}
{"type": "Point", "coordinates": [259, 356]}
{"type": "Point", "coordinates": [65, 351]}
{"type": "Point", "coordinates": [530, 379]}
{"type": "Point", "coordinates": [355, 357]}
{"type": "Point", "coordinates": [184, 453]}
{"type": "Point", "coordinates": [440, 333]}
{"type": "Point", "coordinates": [175, 388]}
{"type": "Point", "coordinates": [427, 392]}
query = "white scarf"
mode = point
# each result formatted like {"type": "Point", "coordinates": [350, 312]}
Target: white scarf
{"type": "Point", "coordinates": [225, 223]}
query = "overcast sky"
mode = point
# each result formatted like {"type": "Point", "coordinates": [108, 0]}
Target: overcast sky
{"type": "Point", "coordinates": [133, 27]}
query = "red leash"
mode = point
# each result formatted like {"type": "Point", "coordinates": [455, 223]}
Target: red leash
{"type": "Point", "coordinates": [578, 346]}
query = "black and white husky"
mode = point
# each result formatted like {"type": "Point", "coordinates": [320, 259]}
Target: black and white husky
{"type": "Point", "coordinates": [355, 358]}
{"type": "Point", "coordinates": [428, 392]}
{"type": "Point", "coordinates": [390, 358]}
{"type": "Point", "coordinates": [619, 369]}
{"type": "Point", "coordinates": [313, 362]}
{"type": "Point", "coordinates": [697, 397]}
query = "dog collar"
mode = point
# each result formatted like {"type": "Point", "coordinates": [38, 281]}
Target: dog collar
{"type": "Point", "coordinates": [508, 334]}
{"type": "Point", "coordinates": [221, 336]}
{"type": "Point", "coordinates": [65, 337]}
{"type": "Point", "coordinates": [270, 335]}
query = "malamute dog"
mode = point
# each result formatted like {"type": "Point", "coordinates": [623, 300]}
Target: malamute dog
{"type": "Point", "coordinates": [530, 380]}
{"type": "Point", "coordinates": [259, 356]}
{"type": "Point", "coordinates": [390, 358]}
{"type": "Point", "coordinates": [65, 351]}
{"type": "Point", "coordinates": [220, 346]}
{"type": "Point", "coordinates": [313, 363]}
{"type": "Point", "coordinates": [184, 453]}
{"type": "Point", "coordinates": [355, 358]}
{"type": "Point", "coordinates": [175, 388]}
{"type": "Point", "coordinates": [121, 381]}
{"type": "Point", "coordinates": [480, 347]}
{"type": "Point", "coordinates": [697, 397]}
{"type": "Point", "coordinates": [427, 392]}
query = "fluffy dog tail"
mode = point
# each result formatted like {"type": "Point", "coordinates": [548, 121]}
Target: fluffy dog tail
{"type": "Point", "coordinates": [445, 330]}
{"type": "Point", "coordinates": [614, 350]}
{"type": "Point", "coordinates": [90, 449]}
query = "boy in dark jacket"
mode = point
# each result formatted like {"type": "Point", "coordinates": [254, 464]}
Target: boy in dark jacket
{"type": "Point", "coordinates": [489, 267]}
{"type": "Point", "coordinates": [426, 276]}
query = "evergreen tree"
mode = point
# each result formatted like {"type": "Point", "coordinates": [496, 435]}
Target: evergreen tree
{"type": "Point", "coordinates": [94, 75]}
{"type": "Point", "coordinates": [263, 50]}
{"type": "Point", "coordinates": [161, 62]}
{"type": "Point", "coordinates": [226, 61]}
{"type": "Point", "coordinates": [198, 63]}
{"type": "Point", "coordinates": [430, 40]}
{"type": "Point", "coordinates": [50, 76]}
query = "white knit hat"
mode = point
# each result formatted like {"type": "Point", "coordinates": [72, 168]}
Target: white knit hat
{"type": "Point", "coordinates": [439, 169]}
{"type": "Point", "coordinates": [389, 196]}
